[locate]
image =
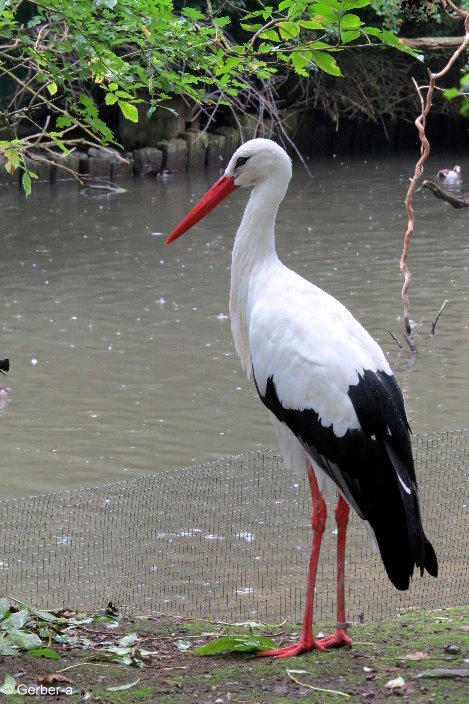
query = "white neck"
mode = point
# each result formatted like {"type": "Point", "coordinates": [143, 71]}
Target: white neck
{"type": "Point", "coordinates": [254, 247]}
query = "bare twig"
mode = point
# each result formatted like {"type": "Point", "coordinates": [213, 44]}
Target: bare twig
{"type": "Point", "coordinates": [420, 123]}
{"type": "Point", "coordinates": [437, 317]}
{"type": "Point", "coordinates": [336, 692]}
{"type": "Point", "coordinates": [395, 339]}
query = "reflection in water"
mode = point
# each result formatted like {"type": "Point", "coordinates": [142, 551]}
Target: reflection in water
{"type": "Point", "coordinates": [121, 352]}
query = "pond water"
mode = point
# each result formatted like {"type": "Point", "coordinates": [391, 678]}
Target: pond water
{"type": "Point", "coordinates": [121, 355]}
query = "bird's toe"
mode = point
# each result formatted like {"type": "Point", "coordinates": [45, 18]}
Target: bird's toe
{"type": "Point", "coordinates": [337, 639]}
{"type": "Point", "coordinates": [291, 651]}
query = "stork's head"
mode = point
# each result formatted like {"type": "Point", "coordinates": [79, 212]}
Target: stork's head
{"type": "Point", "coordinates": [258, 160]}
{"type": "Point", "coordinates": [253, 163]}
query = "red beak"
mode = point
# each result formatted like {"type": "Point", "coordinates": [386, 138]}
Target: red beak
{"type": "Point", "coordinates": [218, 192]}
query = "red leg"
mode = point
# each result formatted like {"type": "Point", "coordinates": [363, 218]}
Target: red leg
{"type": "Point", "coordinates": [340, 636]}
{"type": "Point", "coordinates": [318, 522]}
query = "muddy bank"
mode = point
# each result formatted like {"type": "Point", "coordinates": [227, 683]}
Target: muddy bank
{"type": "Point", "coordinates": [164, 667]}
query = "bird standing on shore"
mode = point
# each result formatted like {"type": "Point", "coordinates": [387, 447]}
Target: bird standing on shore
{"type": "Point", "coordinates": [336, 408]}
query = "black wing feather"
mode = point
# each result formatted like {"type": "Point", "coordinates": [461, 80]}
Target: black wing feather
{"type": "Point", "coordinates": [372, 466]}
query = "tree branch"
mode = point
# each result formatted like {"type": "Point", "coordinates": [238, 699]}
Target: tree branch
{"type": "Point", "coordinates": [432, 43]}
{"type": "Point", "coordinates": [455, 201]}
{"type": "Point", "coordinates": [420, 123]}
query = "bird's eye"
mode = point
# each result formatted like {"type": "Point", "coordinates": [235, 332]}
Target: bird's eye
{"type": "Point", "coordinates": [242, 160]}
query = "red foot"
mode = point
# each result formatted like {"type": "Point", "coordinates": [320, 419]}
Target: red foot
{"type": "Point", "coordinates": [290, 651]}
{"type": "Point", "coordinates": [337, 639]}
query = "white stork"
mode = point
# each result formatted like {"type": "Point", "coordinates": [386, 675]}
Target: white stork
{"type": "Point", "coordinates": [335, 405]}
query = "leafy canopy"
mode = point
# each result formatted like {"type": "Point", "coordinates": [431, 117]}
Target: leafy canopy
{"type": "Point", "coordinates": [62, 60]}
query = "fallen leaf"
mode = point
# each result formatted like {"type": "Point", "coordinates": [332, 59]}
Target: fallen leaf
{"type": "Point", "coordinates": [236, 644]}
{"type": "Point", "coordinates": [9, 686]}
{"type": "Point", "coordinates": [112, 609]}
{"type": "Point", "coordinates": [23, 640]}
{"type": "Point", "coordinates": [183, 645]}
{"type": "Point", "coordinates": [123, 687]}
{"type": "Point", "coordinates": [395, 684]}
{"type": "Point", "coordinates": [452, 649]}
{"type": "Point", "coordinates": [53, 678]}
{"type": "Point", "coordinates": [419, 655]}
{"type": "Point", "coordinates": [64, 613]}
{"type": "Point", "coordinates": [443, 673]}
{"type": "Point", "coordinates": [15, 620]}
{"type": "Point", "coordinates": [128, 640]}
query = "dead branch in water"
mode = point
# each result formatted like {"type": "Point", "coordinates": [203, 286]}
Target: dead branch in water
{"type": "Point", "coordinates": [420, 123]}
{"type": "Point", "coordinates": [396, 340]}
{"type": "Point", "coordinates": [437, 317]}
{"type": "Point", "coordinates": [455, 201]}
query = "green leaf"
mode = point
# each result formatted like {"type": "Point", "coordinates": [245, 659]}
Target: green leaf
{"type": "Point", "coordinates": [48, 653]}
{"type": "Point", "coordinates": [390, 38]}
{"type": "Point", "coordinates": [192, 13]}
{"type": "Point", "coordinates": [311, 24]}
{"type": "Point", "coordinates": [288, 30]}
{"type": "Point", "coordinates": [251, 27]}
{"type": "Point", "coordinates": [24, 641]}
{"type": "Point", "coordinates": [64, 121]}
{"type": "Point", "coordinates": [236, 644]}
{"type": "Point", "coordinates": [110, 99]}
{"type": "Point", "coordinates": [16, 620]}
{"type": "Point", "coordinates": [123, 687]}
{"type": "Point", "coordinates": [222, 21]}
{"type": "Point", "coordinates": [270, 34]}
{"type": "Point", "coordinates": [354, 4]}
{"type": "Point", "coordinates": [350, 22]}
{"type": "Point", "coordinates": [326, 63]}
{"type": "Point", "coordinates": [451, 93]}
{"type": "Point", "coordinates": [347, 37]}
{"type": "Point", "coordinates": [300, 59]}
{"type": "Point", "coordinates": [26, 181]}
{"type": "Point", "coordinates": [113, 86]}
{"type": "Point", "coordinates": [52, 88]}
{"type": "Point", "coordinates": [465, 107]}
{"type": "Point", "coordinates": [322, 12]}
{"type": "Point", "coordinates": [253, 15]}
{"type": "Point", "coordinates": [12, 161]}
{"type": "Point", "coordinates": [373, 31]}
{"type": "Point", "coordinates": [129, 111]}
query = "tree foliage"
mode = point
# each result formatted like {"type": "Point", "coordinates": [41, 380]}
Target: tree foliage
{"type": "Point", "coordinates": [61, 60]}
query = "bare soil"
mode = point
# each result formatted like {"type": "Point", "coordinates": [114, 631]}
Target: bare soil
{"type": "Point", "coordinates": [403, 647]}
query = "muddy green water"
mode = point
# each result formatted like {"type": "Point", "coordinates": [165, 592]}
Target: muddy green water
{"type": "Point", "coordinates": [121, 351]}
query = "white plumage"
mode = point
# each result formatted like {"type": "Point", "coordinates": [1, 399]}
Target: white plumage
{"type": "Point", "coordinates": [286, 327]}
{"type": "Point", "coordinates": [337, 411]}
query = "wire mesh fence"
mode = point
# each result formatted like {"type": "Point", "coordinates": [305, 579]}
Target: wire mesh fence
{"type": "Point", "coordinates": [229, 539]}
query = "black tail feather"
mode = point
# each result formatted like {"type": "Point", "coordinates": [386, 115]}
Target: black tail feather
{"type": "Point", "coordinates": [399, 531]}
{"type": "Point", "coordinates": [431, 562]}
{"type": "Point", "coordinates": [4, 365]}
